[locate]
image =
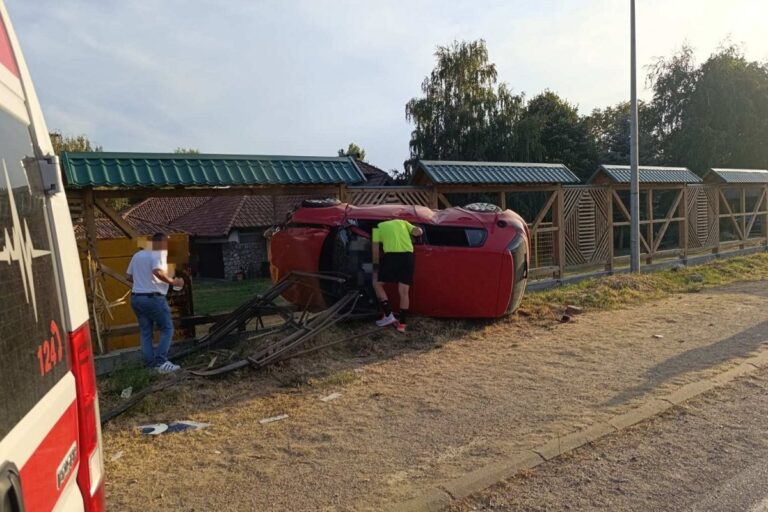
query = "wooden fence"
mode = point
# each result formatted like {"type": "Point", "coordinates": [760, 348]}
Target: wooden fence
{"type": "Point", "coordinates": [583, 228]}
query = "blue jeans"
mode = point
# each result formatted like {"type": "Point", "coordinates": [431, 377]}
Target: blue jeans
{"type": "Point", "coordinates": [153, 311]}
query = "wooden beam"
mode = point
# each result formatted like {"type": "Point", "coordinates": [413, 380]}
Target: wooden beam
{"type": "Point", "coordinates": [649, 228]}
{"type": "Point", "coordinates": [755, 213]}
{"type": "Point", "coordinates": [667, 220]}
{"type": "Point", "coordinates": [441, 197]}
{"type": "Point", "coordinates": [543, 212]}
{"type": "Point", "coordinates": [559, 218]}
{"type": "Point", "coordinates": [117, 276]}
{"type": "Point", "coordinates": [503, 199]}
{"type": "Point", "coordinates": [730, 214]}
{"type": "Point", "coordinates": [683, 237]}
{"type": "Point", "coordinates": [116, 219]}
{"type": "Point", "coordinates": [609, 209]}
{"type": "Point", "coordinates": [623, 210]}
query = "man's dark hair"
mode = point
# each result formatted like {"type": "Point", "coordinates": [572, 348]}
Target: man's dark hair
{"type": "Point", "coordinates": [159, 237]}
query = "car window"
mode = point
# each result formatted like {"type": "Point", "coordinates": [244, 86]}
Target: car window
{"type": "Point", "coordinates": [33, 341]}
{"type": "Point", "coordinates": [454, 236]}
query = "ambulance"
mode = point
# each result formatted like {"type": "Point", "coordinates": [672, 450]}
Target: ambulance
{"type": "Point", "coordinates": [50, 435]}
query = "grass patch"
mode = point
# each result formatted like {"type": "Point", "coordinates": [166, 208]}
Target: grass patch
{"type": "Point", "coordinates": [219, 296]}
{"type": "Point", "coordinates": [136, 377]}
{"type": "Point", "coordinates": [340, 378]}
{"type": "Point", "coordinates": [626, 289]}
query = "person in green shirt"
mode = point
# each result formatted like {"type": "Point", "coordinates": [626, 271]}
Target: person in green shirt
{"type": "Point", "coordinates": [393, 238]}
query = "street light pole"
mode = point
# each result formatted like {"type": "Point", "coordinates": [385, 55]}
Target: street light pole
{"type": "Point", "coordinates": [634, 187]}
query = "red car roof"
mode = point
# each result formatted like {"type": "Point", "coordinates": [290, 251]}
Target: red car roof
{"type": "Point", "coordinates": [337, 215]}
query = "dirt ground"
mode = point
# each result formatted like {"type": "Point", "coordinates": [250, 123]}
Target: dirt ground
{"type": "Point", "coordinates": [418, 411]}
{"type": "Point", "coordinates": [699, 457]}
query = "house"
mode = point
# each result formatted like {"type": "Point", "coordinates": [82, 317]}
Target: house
{"type": "Point", "coordinates": [374, 177]}
{"type": "Point", "coordinates": [226, 232]}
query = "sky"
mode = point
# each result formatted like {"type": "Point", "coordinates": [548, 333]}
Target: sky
{"type": "Point", "coordinates": [306, 77]}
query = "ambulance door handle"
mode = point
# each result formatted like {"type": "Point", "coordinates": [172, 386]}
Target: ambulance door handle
{"type": "Point", "coordinates": [11, 499]}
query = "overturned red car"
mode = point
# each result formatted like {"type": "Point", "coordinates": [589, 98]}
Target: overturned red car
{"type": "Point", "coordinates": [471, 262]}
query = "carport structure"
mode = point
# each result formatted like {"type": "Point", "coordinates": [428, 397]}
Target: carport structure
{"type": "Point", "coordinates": [535, 190]}
{"type": "Point", "coordinates": [742, 205]}
{"type": "Point", "coordinates": [664, 201]}
{"type": "Point", "coordinates": [93, 179]}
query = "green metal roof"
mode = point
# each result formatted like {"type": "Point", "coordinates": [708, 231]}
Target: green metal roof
{"type": "Point", "coordinates": [648, 174]}
{"type": "Point", "coordinates": [737, 176]}
{"type": "Point", "coordinates": [157, 170]}
{"type": "Point", "coordinates": [495, 173]}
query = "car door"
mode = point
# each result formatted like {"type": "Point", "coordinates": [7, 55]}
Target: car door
{"type": "Point", "coordinates": [454, 275]}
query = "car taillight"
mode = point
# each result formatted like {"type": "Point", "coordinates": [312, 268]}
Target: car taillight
{"type": "Point", "coordinates": [90, 475]}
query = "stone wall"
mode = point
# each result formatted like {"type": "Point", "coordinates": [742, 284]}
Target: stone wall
{"type": "Point", "coordinates": [245, 257]}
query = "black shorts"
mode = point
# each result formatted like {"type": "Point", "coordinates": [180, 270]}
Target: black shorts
{"type": "Point", "coordinates": [396, 267]}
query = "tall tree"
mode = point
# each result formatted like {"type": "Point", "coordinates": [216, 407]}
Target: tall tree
{"type": "Point", "coordinates": [72, 143]}
{"type": "Point", "coordinates": [713, 115]}
{"type": "Point", "coordinates": [551, 131]}
{"type": "Point", "coordinates": [464, 113]}
{"type": "Point", "coordinates": [354, 151]}
{"type": "Point", "coordinates": [609, 130]}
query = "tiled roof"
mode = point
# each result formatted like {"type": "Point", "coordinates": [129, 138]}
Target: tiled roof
{"type": "Point", "coordinates": [155, 170]}
{"type": "Point", "coordinates": [206, 216]}
{"type": "Point", "coordinates": [647, 174]}
{"type": "Point", "coordinates": [106, 229]}
{"type": "Point", "coordinates": [495, 173]}
{"type": "Point", "coordinates": [737, 176]}
{"type": "Point", "coordinates": [374, 177]}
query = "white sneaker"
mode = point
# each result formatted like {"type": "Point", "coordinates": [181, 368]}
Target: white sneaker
{"type": "Point", "coordinates": [387, 320]}
{"type": "Point", "coordinates": [167, 367]}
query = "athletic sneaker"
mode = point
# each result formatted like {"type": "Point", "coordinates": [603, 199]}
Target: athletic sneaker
{"type": "Point", "coordinates": [167, 367]}
{"type": "Point", "coordinates": [400, 327]}
{"type": "Point", "coordinates": [387, 320]}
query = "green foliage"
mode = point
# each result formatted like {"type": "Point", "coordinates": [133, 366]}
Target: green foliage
{"type": "Point", "coordinates": [464, 114]}
{"type": "Point", "coordinates": [354, 151]}
{"type": "Point", "coordinates": [217, 296]}
{"type": "Point", "coordinates": [713, 115]}
{"type": "Point", "coordinates": [72, 143]}
{"type": "Point", "coordinates": [186, 151]}
{"type": "Point", "coordinates": [609, 129]}
{"type": "Point", "coordinates": [551, 131]}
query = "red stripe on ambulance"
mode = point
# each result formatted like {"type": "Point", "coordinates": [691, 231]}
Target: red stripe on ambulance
{"type": "Point", "coordinates": [51, 466]}
{"type": "Point", "coordinates": [6, 53]}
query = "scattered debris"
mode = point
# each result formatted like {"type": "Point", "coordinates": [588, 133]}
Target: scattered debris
{"type": "Point", "coordinates": [332, 396]}
{"type": "Point", "coordinates": [156, 429]}
{"type": "Point", "coordinates": [213, 361]}
{"type": "Point", "coordinates": [117, 456]}
{"type": "Point", "coordinates": [565, 319]}
{"type": "Point", "coordinates": [573, 310]}
{"type": "Point", "coordinates": [658, 336]}
{"type": "Point", "coordinates": [523, 312]}
{"type": "Point", "coordinates": [696, 278]}
{"type": "Point", "coordinates": [217, 452]}
{"type": "Point", "coordinates": [126, 393]}
{"type": "Point", "coordinates": [273, 419]}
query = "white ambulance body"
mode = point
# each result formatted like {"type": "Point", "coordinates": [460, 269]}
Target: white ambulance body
{"type": "Point", "coordinates": [50, 438]}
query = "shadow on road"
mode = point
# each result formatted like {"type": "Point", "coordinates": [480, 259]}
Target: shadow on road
{"type": "Point", "coordinates": [740, 344]}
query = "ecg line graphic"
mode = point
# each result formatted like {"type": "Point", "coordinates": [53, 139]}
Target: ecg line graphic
{"type": "Point", "coordinates": [19, 248]}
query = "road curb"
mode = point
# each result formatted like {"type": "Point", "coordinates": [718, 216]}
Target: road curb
{"type": "Point", "coordinates": [440, 498]}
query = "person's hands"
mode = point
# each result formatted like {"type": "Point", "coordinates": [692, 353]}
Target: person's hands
{"type": "Point", "coordinates": [178, 283]}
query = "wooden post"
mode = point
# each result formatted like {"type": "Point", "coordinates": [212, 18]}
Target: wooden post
{"type": "Point", "coordinates": [649, 229]}
{"type": "Point", "coordinates": [683, 235]}
{"type": "Point", "coordinates": [92, 261]}
{"type": "Point", "coordinates": [717, 218]}
{"type": "Point", "coordinates": [609, 208]}
{"type": "Point", "coordinates": [744, 234]}
{"type": "Point", "coordinates": [503, 199]}
{"type": "Point", "coordinates": [764, 227]}
{"type": "Point", "coordinates": [559, 220]}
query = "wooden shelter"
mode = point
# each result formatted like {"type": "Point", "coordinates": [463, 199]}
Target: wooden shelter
{"type": "Point", "coordinates": [94, 179]}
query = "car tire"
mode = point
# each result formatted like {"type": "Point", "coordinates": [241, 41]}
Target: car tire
{"type": "Point", "coordinates": [320, 203]}
{"type": "Point", "coordinates": [483, 208]}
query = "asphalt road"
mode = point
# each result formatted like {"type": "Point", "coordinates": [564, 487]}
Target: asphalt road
{"type": "Point", "coordinates": [710, 455]}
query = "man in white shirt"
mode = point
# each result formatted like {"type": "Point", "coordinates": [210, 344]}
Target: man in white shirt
{"type": "Point", "coordinates": [148, 271]}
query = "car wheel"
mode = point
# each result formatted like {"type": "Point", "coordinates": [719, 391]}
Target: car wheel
{"type": "Point", "coordinates": [320, 203]}
{"type": "Point", "coordinates": [483, 208]}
